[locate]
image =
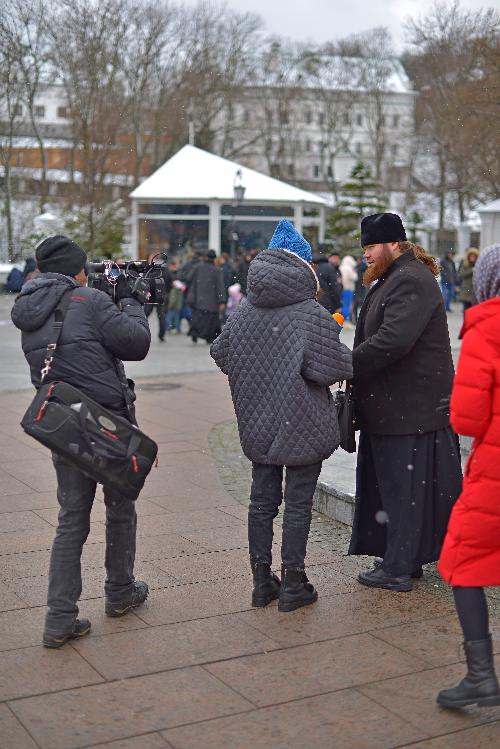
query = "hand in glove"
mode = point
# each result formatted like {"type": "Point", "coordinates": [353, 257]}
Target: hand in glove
{"type": "Point", "coordinates": [121, 289]}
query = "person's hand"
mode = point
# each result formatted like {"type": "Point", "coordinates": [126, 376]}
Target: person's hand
{"type": "Point", "coordinates": [444, 406]}
{"type": "Point", "coordinates": [222, 307]}
{"type": "Point", "coordinates": [121, 289]}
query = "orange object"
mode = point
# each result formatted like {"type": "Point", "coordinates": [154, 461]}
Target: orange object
{"type": "Point", "coordinates": [338, 318]}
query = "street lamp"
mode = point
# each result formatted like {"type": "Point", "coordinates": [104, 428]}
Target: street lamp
{"type": "Point", "coordinates": [238, 197]}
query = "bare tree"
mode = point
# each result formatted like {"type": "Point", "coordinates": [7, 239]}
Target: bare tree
{"type": "Point", "coordinates": [88, 43]}
{"type": "Point", "coordinates": [24, 29]}
{"type": "Point", "coordinates": [10, 116]}
{"type": "Point", "coordinates": [454, 59]}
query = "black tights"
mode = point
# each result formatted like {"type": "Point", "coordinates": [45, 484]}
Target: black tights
{"type": "Point", "coordinates": [472, 610]}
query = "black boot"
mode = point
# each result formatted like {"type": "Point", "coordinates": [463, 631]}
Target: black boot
{"type": "Point", "coordinates": [377, 578]}
{"type": "Point", "coordinates": [81, 629]}
{"type": "Point", "coordinates": [137, 596]}
{"type": "Point", "coordinates": [296, 590]}
{"type": "Point", "coordinates": [480, 685]}
{"type": "Point", "coordinates": [417, 573]}
{"type": "Point", "coordinates": [266, 585]}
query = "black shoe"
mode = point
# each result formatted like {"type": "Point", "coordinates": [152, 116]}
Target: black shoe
{"type": "Point", "coordinates": [266, 585]}
{"type": "Point", "coordinates": [377, 578]}
{"type": "Point", "coordinates": [137, 596]}
{"type": "Point", "coordinates": [416, 574]}
{"type": "Point", "coordinates": [82, 627]}
{"type": "Point", "coordinates": [480, 685]}
{"type": "Point", "coordinates": [296, 590]}
{"type": "Point", "coordinates": [161, 339]}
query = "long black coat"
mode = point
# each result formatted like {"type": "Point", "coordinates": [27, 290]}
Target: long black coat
{"type": "Point", "coordinates": [402, 356]}
{"type": "Point", "coordinates": [206, 288]}
{"type": "Point", "coordinates": [330, 287]}
{"type": "Point", "coordinates": [96, 335]}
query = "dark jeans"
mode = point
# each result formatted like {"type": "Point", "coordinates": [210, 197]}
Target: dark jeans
{"type": "Point", "coordinates": [265, 499]}
{"type": "Point", "coordinates": [161, 312]}
{"type": "Point", "coordinates": [75, 493]}
{"type": "Point", "coordinates": [448, 290]}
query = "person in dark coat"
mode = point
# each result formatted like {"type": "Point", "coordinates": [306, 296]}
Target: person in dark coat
{"type": "Point", "coordinates": [470, 559]}
{"type": "Point", "coordinates": [96, 335]}
{"type": "Point", "coordinates": [206, 297]}
{"type": "Point", "coordinates": [281, 352]}
{"type": "Point", "coordinates": [330, 289]}
{"type": "Point", "coordinates": [243, 268]}
{"type": "Point", "coordinates": [359, 288]}
{"type": "Point", "coordinates": [450, 279]}
{"type": "Point", "coordinates": [408, 469]}
{"type": "Point", "coordinates": [161, 309]}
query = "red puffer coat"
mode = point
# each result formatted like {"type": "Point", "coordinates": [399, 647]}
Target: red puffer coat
{"type": "Point", "coordinates": [471, 551]}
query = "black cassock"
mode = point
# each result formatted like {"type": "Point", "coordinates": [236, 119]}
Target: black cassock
{"type": "Point", "coordinates": [205, 324]}
{"type": "Point", "coordinates": [406, 486]}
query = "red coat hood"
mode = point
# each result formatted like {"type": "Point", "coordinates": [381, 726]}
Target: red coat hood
{"type": "Point", "coordinates": [487, 316]}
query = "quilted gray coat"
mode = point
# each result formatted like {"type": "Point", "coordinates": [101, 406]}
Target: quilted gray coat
{"type": "Point", "coordinates": [281, 352]}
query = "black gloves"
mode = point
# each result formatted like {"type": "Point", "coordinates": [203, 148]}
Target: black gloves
{"type": "Point", "coordinates": [121, 289]}
{"type": "Point", "coordinates": [137, 288]}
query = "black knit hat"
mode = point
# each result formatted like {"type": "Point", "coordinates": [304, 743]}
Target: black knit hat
{"type": "Point", "coordinates": [60, 254]}
{"type": "Point", "coordinates": [380, 228]}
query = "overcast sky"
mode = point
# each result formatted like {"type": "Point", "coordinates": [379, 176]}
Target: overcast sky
{"type": "Point", "coordinates": [322, 20]}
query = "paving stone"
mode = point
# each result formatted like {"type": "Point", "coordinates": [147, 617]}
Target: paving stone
{"type": "Point", "coordinates": [219, 538]}
{"type": "Point", "coordinates": [10, 485]}
{"type": "Point", "coordinates": [481, 737]}
{"type": "Point", "coordinates": [20, 521]}
{"type": "Point", "coordinates": [186, 602]}
{"type": "Point", "coordinates": [413, 698]}
{"type": "Point", "coordinates": [106, 712]}
{"type": "Point", "coordinates": [167, 544]}
{"type": "Point", "coordinates": [173, 646]}
{"type": "Point", "coordinates": [146, 741]}
{"type": "Point", "coordinates": [179, 522]}
{"type": "Point", "coordinates": [9, 600]}
{"type": "Point", "coordinates": [98, 515]}
{"type": "Point", "coordinates": [24, 564]}
{"type": "Point", "coordinates": [12, 734]}
{"type": "Point", "coordinates": [309, 670]}
{"type": "Point", "coordinates": [212, 565]}
{"type": "Point", "coordinates": [30, 501]}
{"type": "Point", "coordinates": [437, 641]}
{"type": "Point", "coordinates": [343, 720]}
{"type": "Point", "coordinates": [36, 670]}
{"type": "Point", "coordinates": [35, 540]}
{"type": "Point", "coordinates": [343, 614]}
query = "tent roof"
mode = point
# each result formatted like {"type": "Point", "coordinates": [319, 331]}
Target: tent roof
{"type": "Point", "coordinates": [194, 174]}
{"type": "Point", "coordinates": [493, 207]}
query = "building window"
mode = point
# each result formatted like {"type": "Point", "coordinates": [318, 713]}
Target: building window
{"type": "Point", "coordinates": [284, 118]}
{"type": "Point", "coordinates": [382, 120]}
{"type": "Point", "coordinates": [230, 144]}
{"type": "Point", "coordinates": [395, 149]}
{"type": "Point", "coordinates": [18, 110]}
{"type": "Point", "coordinates": [308, 145]}
{"type": "Point", "coordinates": [346, 119]}
{"type": "Point", "coordinates": [315, 171]}
{"type": "Point", "coordinates": [40, 112]}
{"type": "Point", "coordinates": [62, 112]}
{"type": "Point", "coordinates": [357, 147]}
{"type": "Point", "coordinates": [291, 170]}
{"type": "Point", "coordinates": [275, 170]}
{"type": "Point", "coordinates": [245, 115]}
{"type": "Point", "coordinates": [359, 120]}
{"type": "Point", "coordinates": [329, 172]}
{"type": "Point", "coordinates": [321, 119]}
{"type": "Point", "coordinates": [308, 117]}
{"type": "Point", "coordinates": [395, 120]}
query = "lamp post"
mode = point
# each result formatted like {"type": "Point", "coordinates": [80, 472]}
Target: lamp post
{"type": "Point", "coordinates": [238, 197]}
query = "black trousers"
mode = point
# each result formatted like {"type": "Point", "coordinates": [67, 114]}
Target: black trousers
{"type": "Point", "coordinates": [161, 312]}
{"type": "Point", "coordinates": [265, 499]}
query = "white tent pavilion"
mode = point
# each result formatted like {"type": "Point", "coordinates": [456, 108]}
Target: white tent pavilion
{"type": "Point", "coordinates": [189, 202]}
{"type": "Point", "coordinates": [490, 223]}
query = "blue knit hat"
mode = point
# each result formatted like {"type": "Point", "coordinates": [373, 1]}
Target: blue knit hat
{"type": "Point", "coordinates": [286, 237]}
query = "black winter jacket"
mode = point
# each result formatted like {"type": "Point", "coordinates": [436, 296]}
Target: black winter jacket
{"type": "Point", "coordinates": [96, 335]}
{"type": "Point", "coordinates": [402, 356]}
{"type": "Point", "coordinates": [281, 351]}
{"type": "Point", "coordinates": [331, 289]}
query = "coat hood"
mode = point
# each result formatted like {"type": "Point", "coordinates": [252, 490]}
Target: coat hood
{"type": "Point", "coordinates": [487, 315]}
{"type": "Point", "coordinates": [348, 262]}
{"type": "Point", "coordinates": [38, 299]}
{"type": "Point", "coordinates": [277, 278]}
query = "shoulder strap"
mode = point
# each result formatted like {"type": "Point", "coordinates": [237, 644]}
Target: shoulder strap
{"type": "Point", "coordinates": [55, 333]}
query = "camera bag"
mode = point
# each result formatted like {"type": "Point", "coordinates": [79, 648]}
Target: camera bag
{"type": "Point", "coordinates": [107, 447]}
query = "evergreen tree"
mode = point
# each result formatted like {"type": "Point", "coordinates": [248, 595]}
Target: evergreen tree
{"type": "Point", "coordinates": [108, 226]}
{"type": "Point", "coordinates": [360, 196]}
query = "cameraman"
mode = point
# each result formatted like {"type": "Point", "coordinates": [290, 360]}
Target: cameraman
{"type": "Point", "coordinates": [96, 334]}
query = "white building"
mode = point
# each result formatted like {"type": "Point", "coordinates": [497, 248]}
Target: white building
{"type": "Point", "coordinates": [189, 203]}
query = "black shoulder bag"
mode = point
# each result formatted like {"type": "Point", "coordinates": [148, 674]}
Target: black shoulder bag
{"type": "Point", "coordinates": [344, 403]}
{"type": "Point", "coordinates": [108, 448]}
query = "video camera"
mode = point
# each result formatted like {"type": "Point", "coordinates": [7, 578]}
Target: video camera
{"type": "Point", "coordinates": [144, 279]}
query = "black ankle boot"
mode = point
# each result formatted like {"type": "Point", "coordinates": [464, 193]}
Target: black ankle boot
{"type": "Point", "coordinates": [296, 590]}
{"type": "Point", "coordinates": [266, 585]}
{"type": "Point", "coordinates": [480, 685]}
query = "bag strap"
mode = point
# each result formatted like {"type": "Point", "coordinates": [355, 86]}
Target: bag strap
{"type": "Point", "coordinates": [55, 333]}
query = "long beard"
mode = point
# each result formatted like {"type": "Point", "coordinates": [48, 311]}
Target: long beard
{"type": "Point", "coordinates": [379, 268]}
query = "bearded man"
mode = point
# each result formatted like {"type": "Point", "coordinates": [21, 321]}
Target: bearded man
{"type": "Point", "coordinates": [408, 472]}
